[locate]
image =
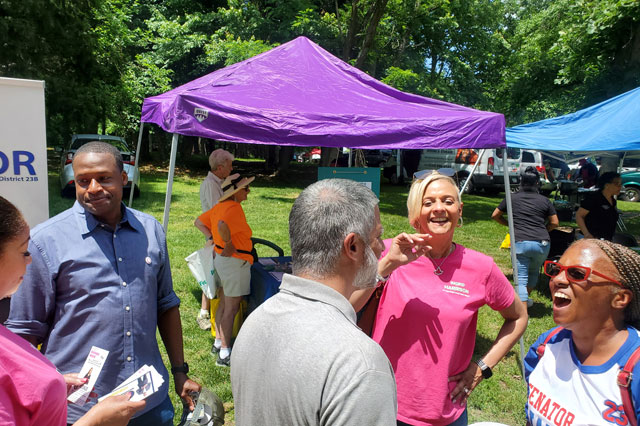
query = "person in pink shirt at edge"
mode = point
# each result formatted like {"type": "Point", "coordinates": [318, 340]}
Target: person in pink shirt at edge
{"type": "Point", "coordinates": [32, 392]}
{"type": "Point", "coordinates": [428, 312]}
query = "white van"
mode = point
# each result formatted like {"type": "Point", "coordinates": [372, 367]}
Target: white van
{"type": "Point", "coordinates": [488, 175]}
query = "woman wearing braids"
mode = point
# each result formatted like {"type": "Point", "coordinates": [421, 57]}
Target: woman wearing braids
{"type": "Point", "coordinates": [596, 302]}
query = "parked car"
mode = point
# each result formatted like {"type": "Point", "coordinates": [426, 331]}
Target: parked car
{"type": "Point", "coordinates": [67, 183]}
{"type": "Point", "coordinates": [630, 186]}
{"type": "Point", "coordinates": [630, 164]}
{"type": "Point", "coordinates": [488, 175]}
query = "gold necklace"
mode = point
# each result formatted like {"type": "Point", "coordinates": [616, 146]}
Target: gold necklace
{"type": "Point", "coordinates": [438, 270]}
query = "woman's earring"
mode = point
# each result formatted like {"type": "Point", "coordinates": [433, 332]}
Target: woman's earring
{"type": "Point", "coordinates": [460, 222]}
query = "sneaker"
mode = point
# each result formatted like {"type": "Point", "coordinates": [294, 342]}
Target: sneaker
{"type": "Point", "coordinates": [224, 362]}
{"type": "Point", "coordinates": [204, 322]}
{"type": "Point", "coordinates": [529, 303]}
{"type": "Point", "coordinates": [214, 350]}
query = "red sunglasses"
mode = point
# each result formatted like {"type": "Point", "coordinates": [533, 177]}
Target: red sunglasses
{"type": "Point", "coordinates": [575, 273]}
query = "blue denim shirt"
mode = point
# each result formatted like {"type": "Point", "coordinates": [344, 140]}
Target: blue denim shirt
{"type": "Point", "coordinates": [90, 285]}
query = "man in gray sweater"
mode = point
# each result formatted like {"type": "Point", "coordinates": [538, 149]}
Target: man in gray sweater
{"type": "Point", "coordinates": [300, 357]}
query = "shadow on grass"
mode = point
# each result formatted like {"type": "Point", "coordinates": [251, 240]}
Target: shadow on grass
{"type": "Point", "coordinates": [197, 295]}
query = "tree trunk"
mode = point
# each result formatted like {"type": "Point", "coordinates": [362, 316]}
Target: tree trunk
{"type": "Point", "coordinates": [378, 10]}
{"type": "Point", "coordinates": [271, 158]}
{"type": "Point", "coordinates": [284, 158]}
{"type": "Point", "coordinates": [328, 155]}
{"type": "Point", "coordinates": [351, 32]}
{"type": "Point", "coordinates": [145, 145]}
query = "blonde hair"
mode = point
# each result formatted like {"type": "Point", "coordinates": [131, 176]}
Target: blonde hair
{"type": "Point", "coordinates": [416, 193]}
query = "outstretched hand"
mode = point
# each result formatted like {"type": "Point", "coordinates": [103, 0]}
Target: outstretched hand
{"type": "Point", "coordinates": [406, 248]}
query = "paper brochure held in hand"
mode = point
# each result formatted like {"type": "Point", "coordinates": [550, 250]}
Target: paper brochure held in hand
{"type": "Point", "coordinates": [144, 382]}
{"type": "Point", "coordinates": [90, 371]}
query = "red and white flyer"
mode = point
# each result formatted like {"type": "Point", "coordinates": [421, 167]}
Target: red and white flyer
{"type": "Point", "coordinates": [90, 370]}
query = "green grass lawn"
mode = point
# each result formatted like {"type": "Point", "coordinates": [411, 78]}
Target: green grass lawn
{"type": "Point", "coordinates": [499, 399]}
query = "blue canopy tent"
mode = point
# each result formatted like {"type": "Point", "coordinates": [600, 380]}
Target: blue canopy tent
{"type": "Point", "coordinates": [612, 125]}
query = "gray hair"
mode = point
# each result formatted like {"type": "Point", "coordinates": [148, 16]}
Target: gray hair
{"type": "Point", "coordinates": [219, 157]}
{"type": "Point", "coordinates": [320, 219]}
{"type": "Point", "coordinates": [98, 147]}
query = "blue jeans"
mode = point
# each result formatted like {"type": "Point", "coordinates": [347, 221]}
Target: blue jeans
{"type": "Point", "coordinates": [530, 256]}
{"type": "Point", "coordinates": [162, 415]}
{"type": "Point", "coordinates": [460, 421]}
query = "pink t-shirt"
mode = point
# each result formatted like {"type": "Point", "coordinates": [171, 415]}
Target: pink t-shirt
{"type": "Point", "coordinates": [426, 325]}
{"type": "Point", "coordinates": [32, 392]}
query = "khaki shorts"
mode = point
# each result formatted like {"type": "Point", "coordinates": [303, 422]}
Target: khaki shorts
{"type": "Point", "coordinates": [233, 275]}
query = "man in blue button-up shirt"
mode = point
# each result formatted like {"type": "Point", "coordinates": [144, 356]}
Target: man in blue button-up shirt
{"type": "Point", "coordinates": [100, 277]}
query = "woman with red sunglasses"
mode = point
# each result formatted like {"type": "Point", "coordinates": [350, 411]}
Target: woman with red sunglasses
{"type": "Point", "coordinates": [572, 375]}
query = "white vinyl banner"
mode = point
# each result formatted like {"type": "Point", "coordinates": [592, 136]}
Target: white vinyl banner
{"type": "Point", "coordinates": [23, 148]}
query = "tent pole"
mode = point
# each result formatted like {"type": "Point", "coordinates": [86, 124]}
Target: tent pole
{"type": "Point", "coordinates": [172, 166]}
{"type": "Point", "coordinates": [473, 170]}
{"type": "Point", "coordinates": [507, 193]}
{"type": "Point", "coordinates": [135, 166]}
{"type": "Point", "coordinates": [398, 164]}
{"type": "Point", "coordinates": [350, 151]}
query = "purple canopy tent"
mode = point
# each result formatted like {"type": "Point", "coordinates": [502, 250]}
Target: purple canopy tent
{"type": "Point", "coordinates": [299, 94]}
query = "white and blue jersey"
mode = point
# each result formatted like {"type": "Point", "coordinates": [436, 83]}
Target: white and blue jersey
{"type": "Point", "coordinates": [563, 392]}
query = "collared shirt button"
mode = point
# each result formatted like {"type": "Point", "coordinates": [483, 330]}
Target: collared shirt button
{"type": "Point", "coordinates": [128, 333]}
{"type": "Point", "coordinates": [124, 284]}
{"type": "Point", "coordinates": [129, 358]}
{"type": "Point", "coordinates": [119, 259]}
{"type": "Point", "coordinates": [127, 308]}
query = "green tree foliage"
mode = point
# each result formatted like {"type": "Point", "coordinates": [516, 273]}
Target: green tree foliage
{"type": "Point", "coordinates": [569, 54]}
{"type": "Point", "coordinates": [530, 59]}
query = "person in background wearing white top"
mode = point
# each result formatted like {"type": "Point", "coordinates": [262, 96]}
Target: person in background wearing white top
{"type": "Point", "coordinates": [220, 162]}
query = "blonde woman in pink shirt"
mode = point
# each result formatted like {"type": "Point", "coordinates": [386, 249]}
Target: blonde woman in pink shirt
{"type": "Point", "coordinates": [32, 392]}
{"type": "Point", "coordinates": [427, 316]}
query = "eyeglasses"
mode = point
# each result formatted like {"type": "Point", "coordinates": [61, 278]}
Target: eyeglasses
{"type": "Point", "coordinates": [423, 174]}
{"type": "Point", "coordinates": [575, 273]}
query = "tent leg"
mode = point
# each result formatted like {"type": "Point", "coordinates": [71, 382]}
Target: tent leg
{"type": "Point", "coordinates": [473, 170]}
{"type": "Point", "coordinates": [514, 263]}
{"type": "Point", "coordinates": [136, 168]}
{"type": "Point", "coordinates": [172, 166]}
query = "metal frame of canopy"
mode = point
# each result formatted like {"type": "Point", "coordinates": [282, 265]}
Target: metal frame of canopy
{"type": "Point", "coordinates": [167, 204]}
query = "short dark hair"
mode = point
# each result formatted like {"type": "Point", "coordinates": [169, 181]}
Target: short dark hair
{"type": "Point", "coordinates": [530, 178]}
{"type": "Point", "coordinates": [101, 148]}
{"type": "Point", "coordinates": [606, 178]}
{"type": "Point", "coordinates": [11, 222]}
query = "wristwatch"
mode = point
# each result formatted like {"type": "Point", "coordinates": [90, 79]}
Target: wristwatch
{"type": "Point", "coordinates": [486, 370]}
{"type": "Point", "coordinates": [184, 368]}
